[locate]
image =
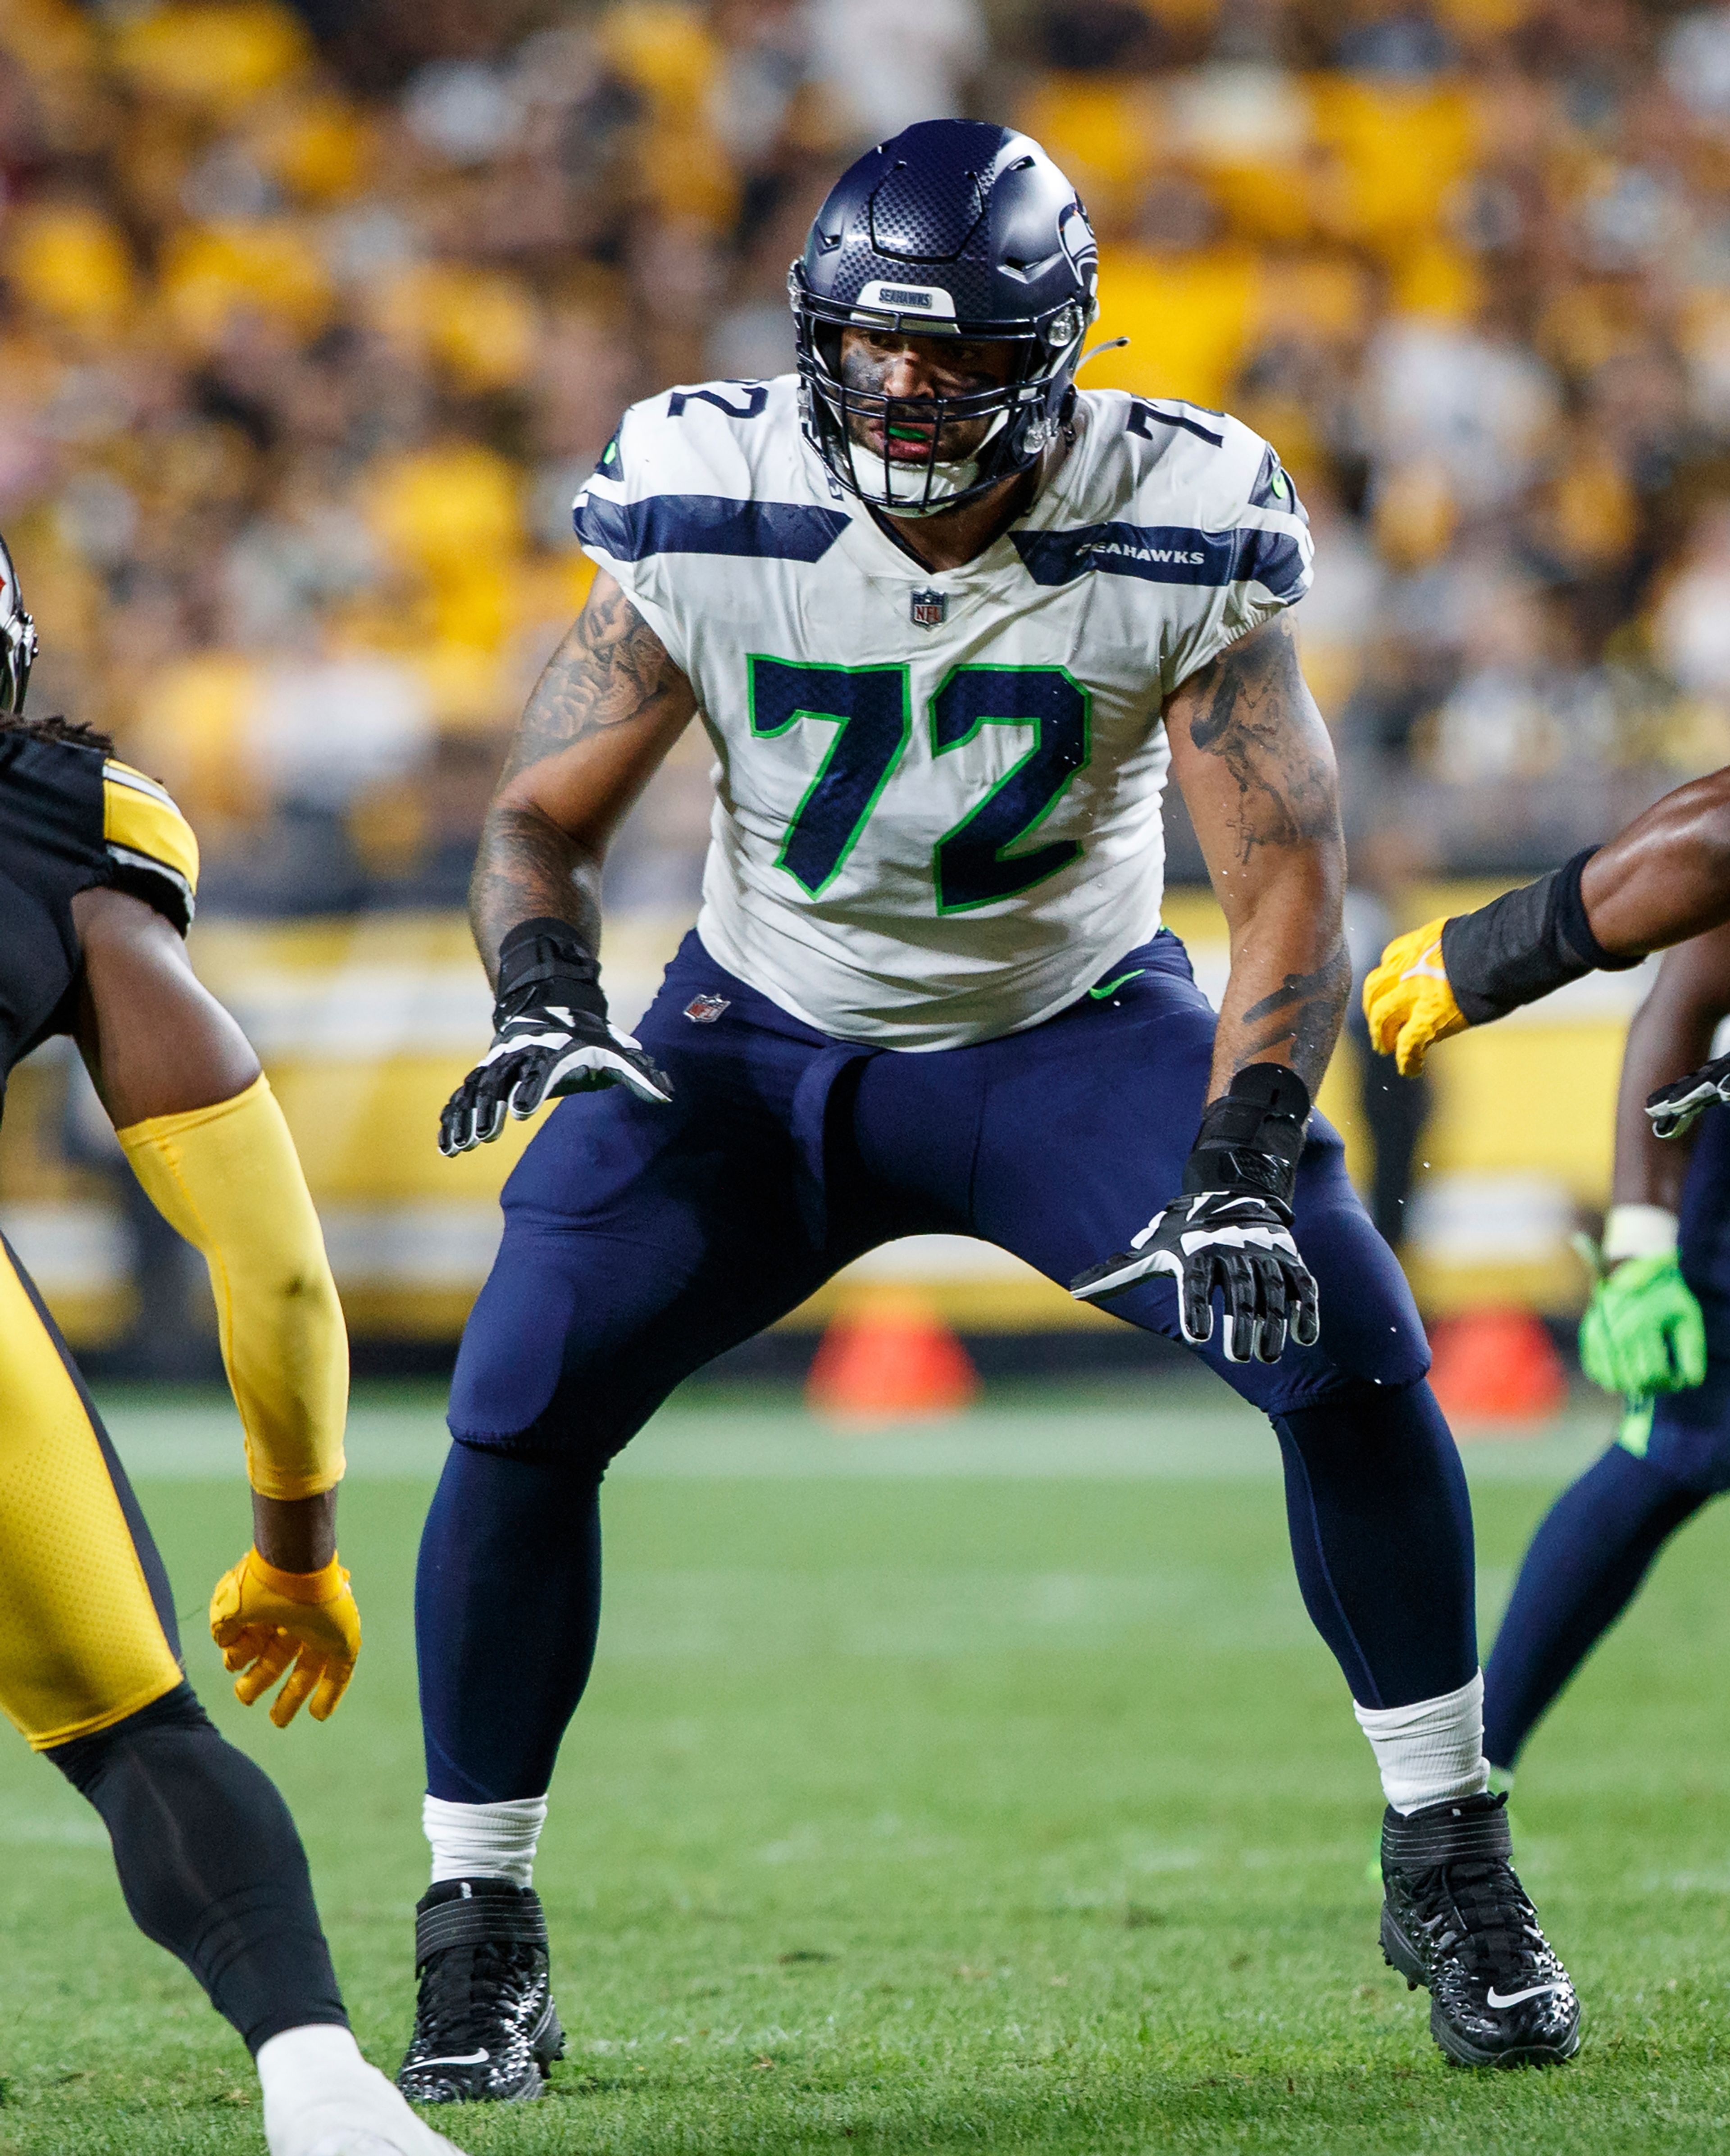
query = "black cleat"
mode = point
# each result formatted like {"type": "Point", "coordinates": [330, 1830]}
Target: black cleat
{"type": "Point", "coordinates": [1456, 1920]}
{"type": "Point", "coordinates": [486, 2028]}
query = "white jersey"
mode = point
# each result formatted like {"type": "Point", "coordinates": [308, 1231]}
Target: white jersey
{"type": "Point", "coordinates": [937, 813]}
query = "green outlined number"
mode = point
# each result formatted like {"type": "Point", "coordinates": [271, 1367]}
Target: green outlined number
{"type": "Point", "coordinates": [870, 710]}
{"type": "Point", "coordinates": [973, 865]}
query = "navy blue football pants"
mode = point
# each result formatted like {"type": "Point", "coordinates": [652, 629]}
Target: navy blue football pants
{"type": "Point", "coordinates": [641, 1241]}
{"type": "Point", "coordinates": [1598, 1542]}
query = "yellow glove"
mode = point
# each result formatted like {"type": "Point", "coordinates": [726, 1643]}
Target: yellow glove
{"type": "Point", "coordinates": [264, 1620]}
{"type": "Point", "coordinates": [1408, 1001]}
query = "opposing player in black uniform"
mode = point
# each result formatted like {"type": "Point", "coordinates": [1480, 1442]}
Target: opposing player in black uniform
{"type": "Point", "coordinates": [97, 875]}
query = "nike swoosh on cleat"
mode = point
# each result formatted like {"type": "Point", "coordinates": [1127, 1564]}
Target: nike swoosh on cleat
{"type": "Point", "coordinates": [1493, 1997]}
{"type": "Point", "coordinates": [481, 2058]}
{"type": "Point", "coordinates": [1100, 994]}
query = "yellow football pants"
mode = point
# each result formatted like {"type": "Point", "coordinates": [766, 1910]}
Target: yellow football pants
{"type": "Point", "coordinates": [87, 1630]}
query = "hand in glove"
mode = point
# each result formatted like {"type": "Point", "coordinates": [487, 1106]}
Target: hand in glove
{"type": "Point", "coordinates": [1643, 1332]}
{"type": "Point", "coordinates": [550, 1036]}
{"type": "Point", "coordinates": [1230, 1229]}
{"type": "Point", "coordinates": [1676, 1108]}
{"type": "Point", "coordinates": [265, 1620]}
{"type": "Point", "coordinates": [1409, 1001]}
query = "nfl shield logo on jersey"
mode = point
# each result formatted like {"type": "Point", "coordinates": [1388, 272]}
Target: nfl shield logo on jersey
{"type": "Point", "coordinates": [703, 1010]}
{"type": "Point", "coordinates": [928, 609]}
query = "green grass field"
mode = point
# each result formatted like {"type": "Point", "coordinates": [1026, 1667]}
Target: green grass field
{"type": "Point", "coordinates": [979, 1788]}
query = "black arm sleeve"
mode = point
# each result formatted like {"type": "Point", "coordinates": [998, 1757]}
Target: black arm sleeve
{"type": "Point", "coordinates": [1524, 945]}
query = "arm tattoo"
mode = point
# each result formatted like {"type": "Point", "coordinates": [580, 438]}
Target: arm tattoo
{"type": "Point", "coordinates": [1302, 1016]}
{"type": "Point", "coordinates": [528, 870]}
{"type": "Point", "coordinates": [1258, 770]}
{"type": "Point", "coordinates": [1257, 719]}
{"type": "Point", "coordinates": [612, 668]}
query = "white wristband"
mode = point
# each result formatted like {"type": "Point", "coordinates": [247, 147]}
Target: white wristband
{"type": "Point", "coordinates": [1638, 1231]}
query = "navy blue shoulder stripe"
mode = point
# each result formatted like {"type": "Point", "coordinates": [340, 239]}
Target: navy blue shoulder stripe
{"type": "Point", "coordinates": [1164, 554]}
{"type": "Point", "coordinates": [1141, 412]}
{"type": "Point", "coordinates": [1273, 488]}
{"type": "Point", "coordinates": [708, 524]}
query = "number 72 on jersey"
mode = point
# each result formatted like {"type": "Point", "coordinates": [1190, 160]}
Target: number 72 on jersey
{"type": "Point", "coordinates": [871, 709]}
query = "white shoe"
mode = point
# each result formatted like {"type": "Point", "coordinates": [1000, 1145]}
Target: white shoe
{"type": "Point", "coordinates": [322, 2099]}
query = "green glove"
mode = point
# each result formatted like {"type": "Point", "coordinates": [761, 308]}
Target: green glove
{"type": "Point", "coordinates": [1643, 1332]}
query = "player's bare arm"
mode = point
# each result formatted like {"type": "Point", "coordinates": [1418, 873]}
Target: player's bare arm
{"type": "Point", "coordinates": [1252, 757]}
{"type": "Point", "coordinates": [610, 705]}
{"type": "Point", "coordinates": [1671, 1031]}
{"type": "Point", "coordinates": [158, 1045]}
{"type": "Point", "coordinates": [1252, 754]}
{"type": "Point", "coordinates": [154, 1038]}
{"type": "Point", "coordinates": [1664, 878]}
{"type": "Point", "coordinates": [606, 710]}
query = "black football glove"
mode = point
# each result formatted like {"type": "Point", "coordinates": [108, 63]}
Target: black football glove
{"type": "Point", "coordinates": [551, 1035]}
{"type": "Point", "coordinates": [1677, 1108]}
{"type": "Point", "coordinates": [1231, 1227]}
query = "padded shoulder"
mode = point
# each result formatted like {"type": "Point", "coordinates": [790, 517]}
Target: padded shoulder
{"type": "Point", "coordinates": [1220, 467]}
{"type": "Point", "coordinates": [150, 843]}
{"type": "Point", "coordinates": [720, 469]}
{"type": "Point", "coordinates": [709, 438]}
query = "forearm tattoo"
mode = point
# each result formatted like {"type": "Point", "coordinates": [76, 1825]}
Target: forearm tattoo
{"type": "Point", "coordinates": [1257, 717]}
{"type": "Point", "coordinates": [1303, 1017]}
{"type": "Point", "coordinates": [1276, 821]}
{"type": "Point", "coordinates": [611, 669]}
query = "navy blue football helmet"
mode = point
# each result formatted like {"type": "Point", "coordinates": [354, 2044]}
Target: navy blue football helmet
{"type": "Point", "coordinates": [18, 638]}
{"type": "Point", "coordinates": [951, 228]}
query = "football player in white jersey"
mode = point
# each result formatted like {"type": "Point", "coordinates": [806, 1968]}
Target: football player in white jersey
{"type": "Point", "coordinates": [949, 624]}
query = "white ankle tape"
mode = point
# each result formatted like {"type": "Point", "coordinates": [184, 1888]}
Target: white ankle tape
{"type": "Point", "coordinates": [484, 1841]}
{"type": "Point", "coordinates": [1431, 1751]}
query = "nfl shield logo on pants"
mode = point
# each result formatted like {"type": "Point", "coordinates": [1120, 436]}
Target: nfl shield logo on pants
{"type": "Point", "coordinates": [703, 1010]}
{"type": "Point", "coordinates": [928, 609]}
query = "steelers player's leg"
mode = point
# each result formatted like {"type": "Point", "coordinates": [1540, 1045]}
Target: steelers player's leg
{"type": "Point", "coordinates": [640, 1241]}
{"type": "Point", "coordinates": [209, 1858]}
{"type": "Point", "coordinates": [1084, 1129]}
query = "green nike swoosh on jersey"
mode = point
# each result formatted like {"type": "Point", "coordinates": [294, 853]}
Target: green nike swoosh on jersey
{"type": "Point", "coordinates": [1109, 987]}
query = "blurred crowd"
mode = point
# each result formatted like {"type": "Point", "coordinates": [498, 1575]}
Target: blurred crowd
{"type": "Point", "coordinates": [312, 319]}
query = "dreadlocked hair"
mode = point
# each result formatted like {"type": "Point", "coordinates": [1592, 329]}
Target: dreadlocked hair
{"type": "Point", "coordinates": [74, 732]}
